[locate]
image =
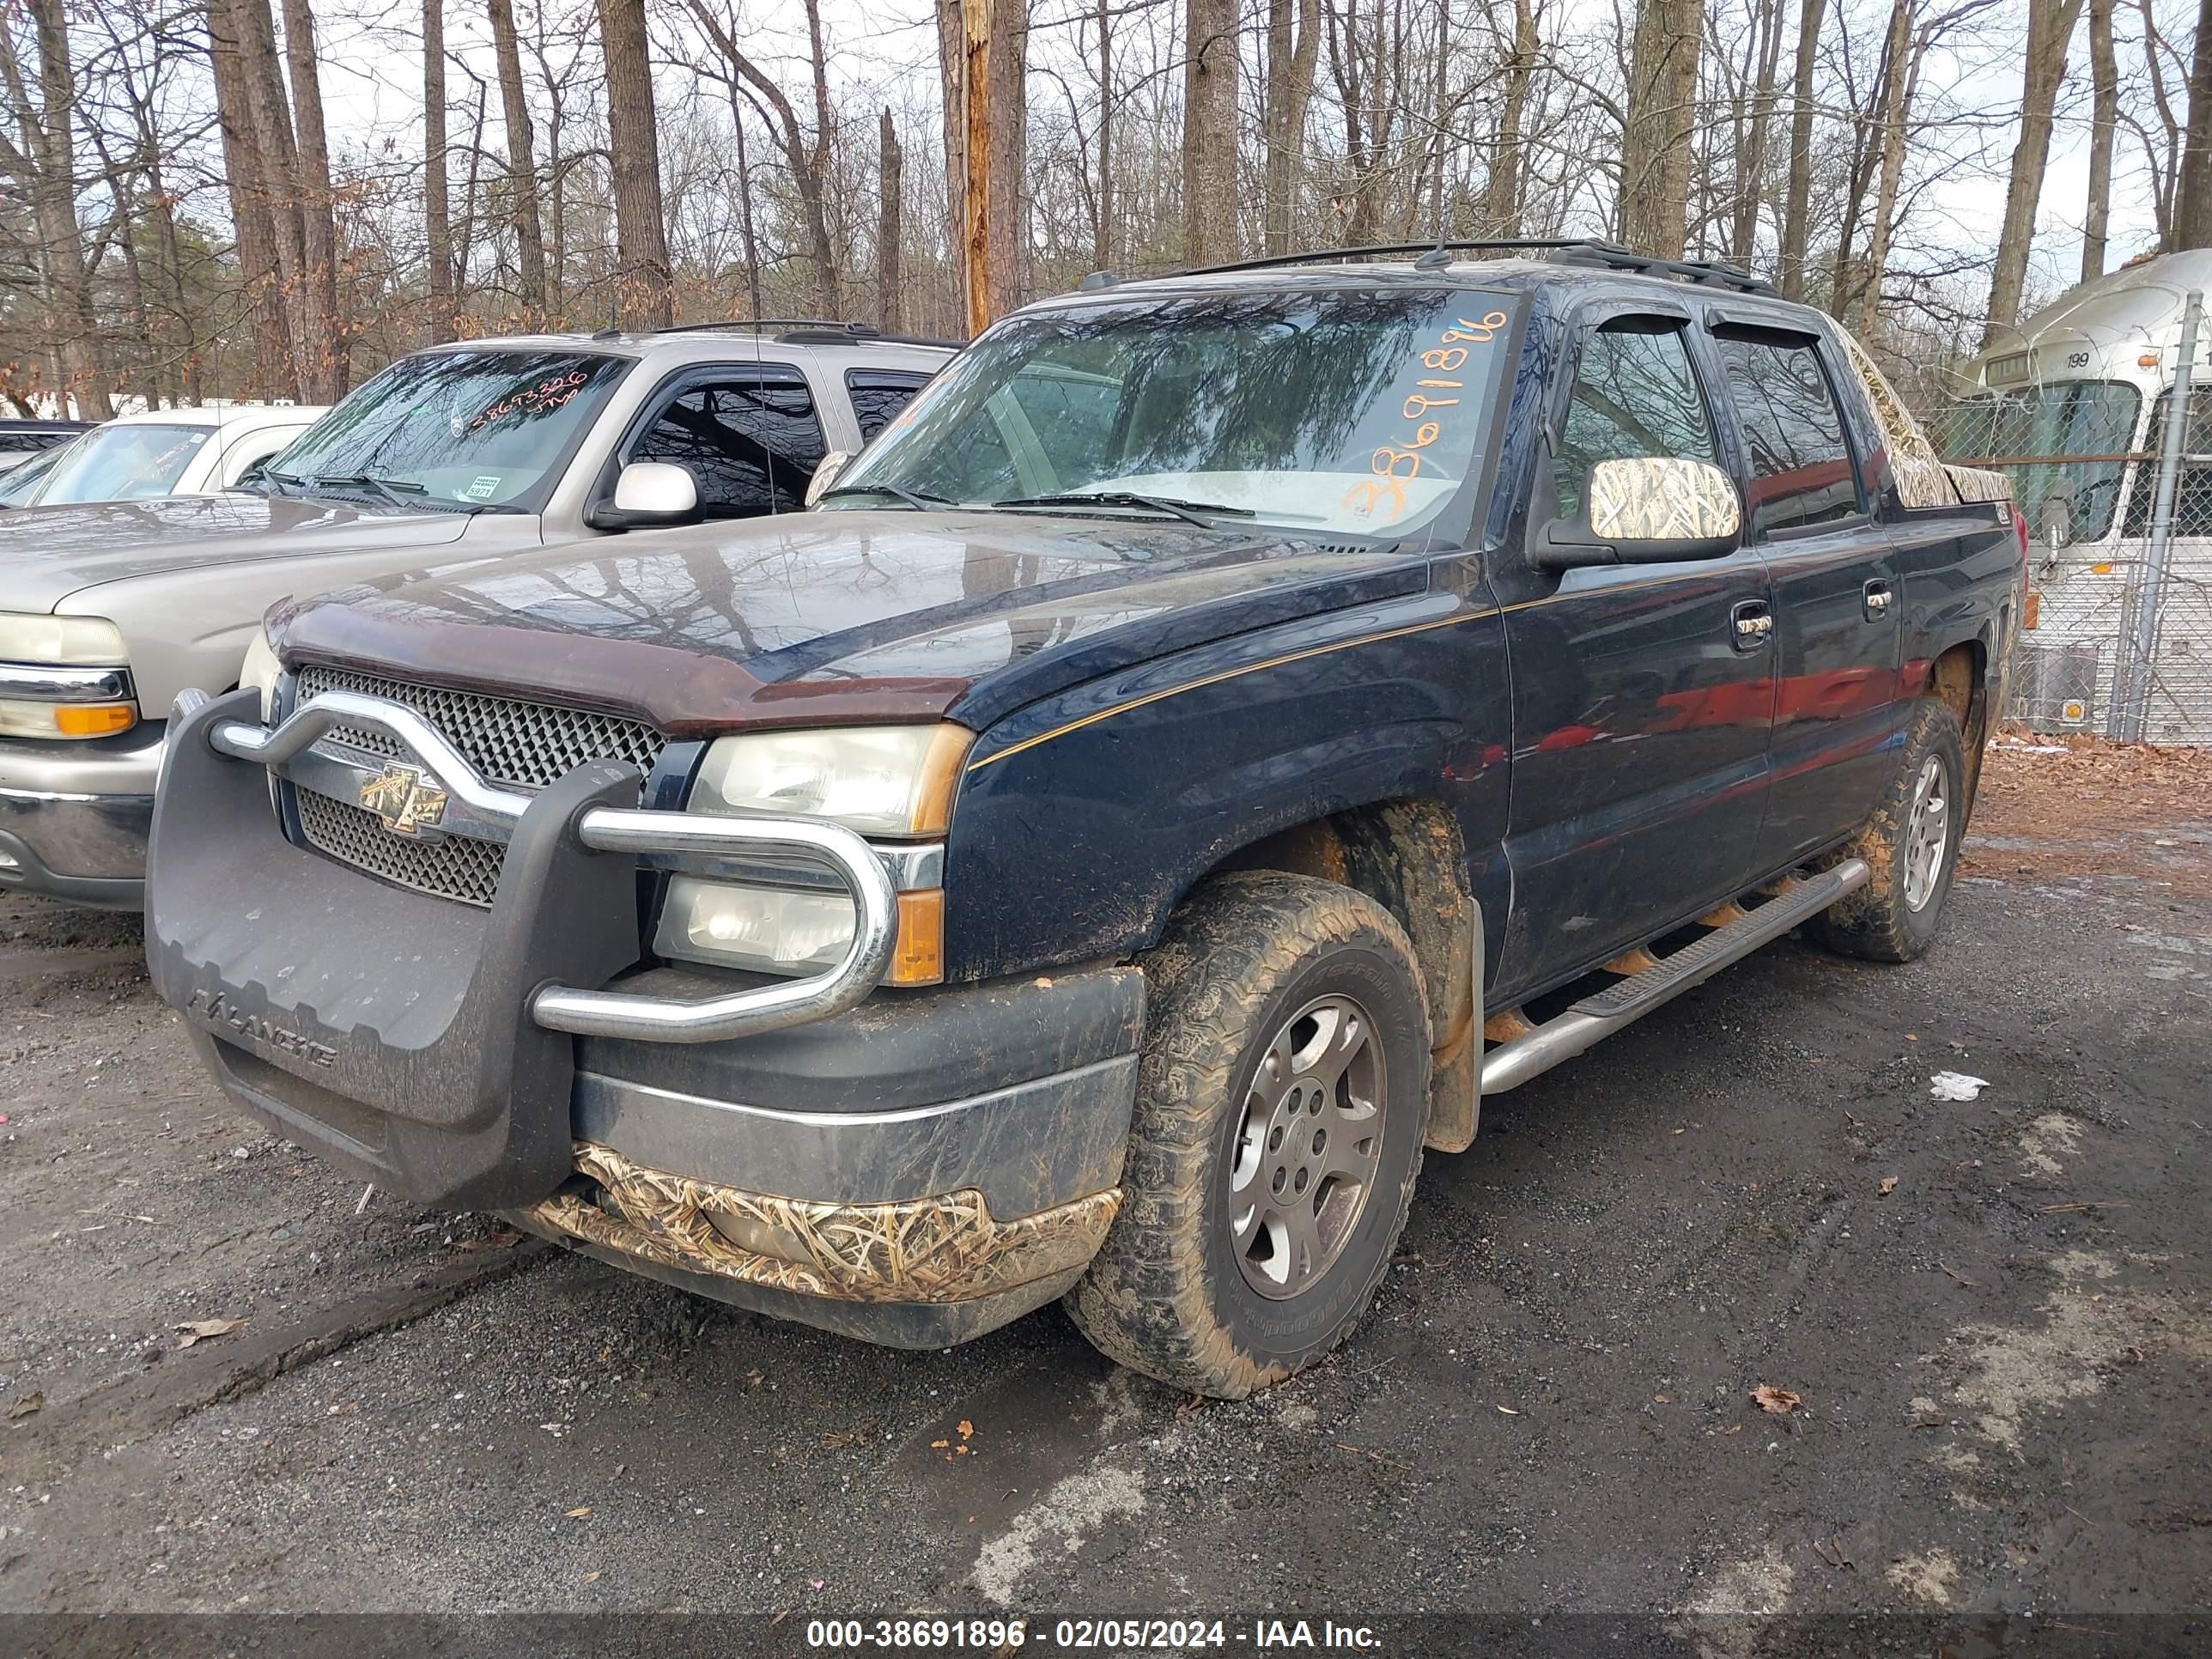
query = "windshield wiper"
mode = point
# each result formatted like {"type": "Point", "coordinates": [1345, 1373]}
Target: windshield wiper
{"type": "Point", "coordinates": [1170, 505]}
{"type": "Point", "coordinates": [388, 488]}
{"type": "Point", "coordinates": [919, 500]}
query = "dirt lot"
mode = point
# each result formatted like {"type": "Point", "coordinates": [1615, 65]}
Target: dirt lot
{"type": "Point", "coordinates": [1995, 1316]}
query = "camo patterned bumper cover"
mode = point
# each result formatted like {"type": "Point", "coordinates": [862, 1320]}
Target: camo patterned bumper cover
{"type": "Point", "coordinates": [943, 1248]}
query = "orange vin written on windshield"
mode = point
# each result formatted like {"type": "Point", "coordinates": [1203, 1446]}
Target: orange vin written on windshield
{"type": "Point", "coordinates": [1394, 464]}
{"type": "Point", "coordinates": [547, 395]}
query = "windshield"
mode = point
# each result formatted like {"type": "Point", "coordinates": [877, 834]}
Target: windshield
{"type": "Point", "coordinates": [2019, 431]}
{"type": "Point", "coordinates": [1354, 411]}
{"type": "Point", "coordinates": [20, 485]}
{"type": "Point", "coordinates": [456, 429]}
{"type": "Point", "coordinates": [112, 464]}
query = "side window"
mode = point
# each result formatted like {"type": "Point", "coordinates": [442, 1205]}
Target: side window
{"type": "Point", "coordinates": [1801, 467]}
{"type": "Point", "coordinates": [2192, 490]}
{"type": "Point", "coordinates": [751, 440]}
{"type": "Point", "coordinates": [877, 395]}
{"type": "Point", "coordinates": [1635, 396]}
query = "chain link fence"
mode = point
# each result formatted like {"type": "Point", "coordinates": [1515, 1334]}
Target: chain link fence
{"type": "Point", "coordinates": [2117, 643]}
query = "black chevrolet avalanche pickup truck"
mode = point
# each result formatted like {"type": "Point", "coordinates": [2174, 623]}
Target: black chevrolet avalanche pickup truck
{"type": "Point", "coordinates": [1226, 727]}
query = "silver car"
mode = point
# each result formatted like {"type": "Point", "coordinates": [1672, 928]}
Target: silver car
{"type": "Point", "coordinates": [455, 455]}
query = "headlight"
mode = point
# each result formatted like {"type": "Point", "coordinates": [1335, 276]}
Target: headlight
{"type": "Point", "coordinates": [63, 677]}
{"type": "Point", "coordinates": [878, 781]}
{"type": "Point", "coordinates": [891, 781]}
{"type": "Point", "coordinates": [73, 640]}
{"type": "Point", "coordinates": [261, 672]}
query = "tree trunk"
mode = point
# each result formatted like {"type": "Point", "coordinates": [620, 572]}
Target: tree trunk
{"type": "Point", "coordinates": [1006, 87]}
{"type": "Point", "coordinates": [280, 168]}
{"type": "Point", "coordinates": [437, 206]}
{"type": "Point", "coordinates": [55, 210]}
{"type": "Point", "coordinates": [1293, 49]}
{"type": "Point", "coordinates": [889, 173]}
{"type": "Point", "coordinates": [1209, 132]}
{"type": "Point", "coordinates": [2049, 28]}
{"type": "Point", "coordinates": [645, 288]}
{"type": "Point", "coordinates": [977, 229]}
{"type": "Point", "coordinates": [1102, 228]}
{"type": "Point", "coordinates": [1751, 160]}
{"type": "Point", "coordinates": [250, 220]}
{"type": "Point", "coordinates": [2192, 198]}
{"type": "Point", "coordinates": [522, 164]}
{"type": "Point", "coordinates": [2104, 128]}
{"type": "Point", "coordinates": [1501, 195]}
{"type": "Point", "coordinates": [1901, 71]}
{"type": "Point", "coordinates": [952, 83]}
{"type": "Point", "coordinates": [325, 370]}
{"type": "Point", "coordinates": [1655, 150]}
{"type": "Point", "coordinates": [814, 168]}
{"type": "Point", "coordinates": [1798, 192]}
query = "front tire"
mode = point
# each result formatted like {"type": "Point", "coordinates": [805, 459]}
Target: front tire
{"type": "Point", "coordinates": [1912, 846]}
{"type": "Point", "coordinates": [1281, 1102]}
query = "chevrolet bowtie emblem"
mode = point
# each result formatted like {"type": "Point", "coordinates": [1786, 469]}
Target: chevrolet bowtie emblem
{"type": "Point", "coordinates": [405, 799]}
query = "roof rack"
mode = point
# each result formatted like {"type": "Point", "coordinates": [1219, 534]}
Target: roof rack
{"type": "Point", "coordinates": [1566, 250]}
{"type": "Point", "coordinates": [802, 331]}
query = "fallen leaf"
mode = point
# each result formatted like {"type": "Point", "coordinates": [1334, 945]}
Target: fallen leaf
{"type": "Point", "coordinates": [1780, 1401]}
{"type": "Point", "coordinates": [202, 1330]}
{"type": "Point", "coordinates": [1509, 1410]}
{"type": "Point", "coordinates": [591, 1578]}
{"type": "Point", "coordinates": [1659, 1400]}
{"type": "Point", "coordinates": [30, 1403]}
{"type": "Point", "coordinates": [1733, 1428]}
{"type": "Point", "coordinates": [579, 1512]}
{"type": "Point", "coordinates": [965, 1428]}
{"type": "Point", "coordinates": [1888, 1185]}
{"type": "Point", "coordinates": [939, 1445]}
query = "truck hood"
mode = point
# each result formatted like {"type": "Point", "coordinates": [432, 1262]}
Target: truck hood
{"type": "Point", "coordinates": [48, 553]}
{"type": "Point", "coordinates": [838, 616]}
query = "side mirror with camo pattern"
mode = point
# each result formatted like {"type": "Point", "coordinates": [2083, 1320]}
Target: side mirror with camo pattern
{"type": "Point", "coordinates": [1653, 509]}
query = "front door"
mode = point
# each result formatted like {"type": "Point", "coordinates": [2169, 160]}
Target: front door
{"type": "Point", "coordinates": [1641, 694]}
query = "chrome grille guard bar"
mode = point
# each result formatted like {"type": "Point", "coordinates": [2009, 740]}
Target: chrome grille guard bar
{"type": "Point", "coordinates": [491, 813]}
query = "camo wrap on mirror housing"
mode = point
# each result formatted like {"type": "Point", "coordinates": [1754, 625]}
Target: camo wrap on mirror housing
{"type": "Point", "coordinates": [943, 1248]}
{"type": "Point", "coordinates": [1661, 498]}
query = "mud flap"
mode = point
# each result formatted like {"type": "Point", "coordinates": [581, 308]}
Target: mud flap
{"type": "Point", "coordinates": [387, 1028]}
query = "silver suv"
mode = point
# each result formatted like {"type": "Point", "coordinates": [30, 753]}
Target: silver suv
{"type": "Point", "coordinates": [463, 454]}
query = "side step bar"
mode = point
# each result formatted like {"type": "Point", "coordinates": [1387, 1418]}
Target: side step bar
{"type": "Point", "coordinates": [1598, 1016]}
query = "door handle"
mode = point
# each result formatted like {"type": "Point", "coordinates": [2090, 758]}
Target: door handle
{"type": "Point", "coordinates": [1752, 624]}
{"type": "Point", "coordinates": [1878, 598]}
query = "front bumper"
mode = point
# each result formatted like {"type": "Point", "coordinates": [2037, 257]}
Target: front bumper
{"type": "Point", "coordinates": [914, 1169]}
{"type": "Point", "coordinates": [75, 817]}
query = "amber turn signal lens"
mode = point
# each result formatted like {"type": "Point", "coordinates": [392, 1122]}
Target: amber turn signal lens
{"type": "Point", "coordinates": [94, 719]}
{"type": "Point", "coordinates": [919, 957]}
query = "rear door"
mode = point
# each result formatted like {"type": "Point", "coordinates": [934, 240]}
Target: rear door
{"type": "Point", "coordinates": [1640, 705]}
{"type": "Point", "coordinates": [1836, 601]}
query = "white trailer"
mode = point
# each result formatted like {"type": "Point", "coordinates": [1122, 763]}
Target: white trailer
{"type": "Point", "coordinates": [2072, 405]}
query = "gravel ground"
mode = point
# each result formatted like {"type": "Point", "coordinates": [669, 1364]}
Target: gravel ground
{"type": "Point", "coordinates": [1995, 1316]}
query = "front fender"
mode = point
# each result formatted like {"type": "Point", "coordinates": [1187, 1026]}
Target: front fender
{"type": "Point", "coordinates": [1082, 821]}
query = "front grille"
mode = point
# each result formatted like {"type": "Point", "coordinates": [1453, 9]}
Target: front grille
{"type": "Point", "coordinates": [522, 745]}
{"type": "Point", "coordinates": [525, 745]}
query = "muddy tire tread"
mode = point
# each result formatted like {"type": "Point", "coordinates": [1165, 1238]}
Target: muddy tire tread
{"type": "Point", "coordinates": [1145, 1301]}
{"type": "Point", "coordinates": [1871, 924]}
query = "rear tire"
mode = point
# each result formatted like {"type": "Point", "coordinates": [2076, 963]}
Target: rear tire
{"type": "Point", "coordinates": [1912, 846]}
{"type": "Point", "coordinates": [1281, 1101]}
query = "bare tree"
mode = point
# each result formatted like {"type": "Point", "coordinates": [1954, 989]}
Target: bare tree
{"type": "Point", "coordinates": [2192, 221]}
{"type": "Point", "coordinates": [437, 202]}
{"type": "Point", "coordinates": [645, 286]}
{"type": "Point", "coordinates": [1654, 150]}
{"type": "Point", "coordinates": [1501, 196]}
{"type": "Point", "coordinates": [1798, 192]}
{"type": "Point", "coordinates": [2049, 30]}
{"type": "Point", "coordinates": [889, 173]}
{"type": "Point", "coordinates": [1293, 49]}
{"type": "Point", "coordinates": [1758, 118]}
{"type": "Point", "coordinates": [522, 162]}
{"type": "Point", "coordinates": [1209, 131]}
